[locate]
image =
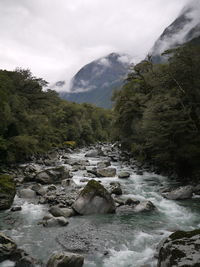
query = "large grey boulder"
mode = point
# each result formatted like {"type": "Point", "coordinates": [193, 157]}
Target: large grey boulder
{"type": "Point", "coordinates": [180, 249]}
{"type": "Point", "coordinates": [53, 175]}
{"type": "Point", "coordinates": [65, 259]}
{"type": "Point", "coordinates": [94, 198]}
{"type": "Point", "coordinates": [183, 192]}
{"type": "Point", "coordinates": [106, 172]}
{"type": "Point", "coordinates": [7, 191]}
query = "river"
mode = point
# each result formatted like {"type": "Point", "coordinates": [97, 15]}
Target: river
{"type": "Point", "coordinates": [114, 240]}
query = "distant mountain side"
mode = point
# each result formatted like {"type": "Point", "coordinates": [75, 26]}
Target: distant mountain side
{"type": "Point", "coordinates": [184, 29]}
{"type": "Point", "coordinates": [95, 82]}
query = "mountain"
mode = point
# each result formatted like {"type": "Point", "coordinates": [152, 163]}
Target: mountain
{"type": "Point", "coordinates": [95, 82]}
{"type": "Point", "coordinates": [184, 29]}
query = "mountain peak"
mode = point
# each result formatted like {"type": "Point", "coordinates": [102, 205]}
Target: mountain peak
{"type": "Point", "coordinates": [95, 82]}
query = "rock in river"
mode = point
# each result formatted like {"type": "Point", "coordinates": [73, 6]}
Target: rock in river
{"type": "Point", "coordinates": [180, 249]}
{"type": "Point", "coordinates": [9, 251]}
{"type": "Point", "coordinates": [183, 192]}
{"type": "Point", "coordinates": [65, 259]}
{"type": "Point", "coordinates": [106, 172]}
{"type": "Point", "coordinates": [124, 175]}
{"type": "Point", "coordinates": [53, 175]}
{"type": "Point", "coordinates": [94, 198]}
{"type": "Point", "coordinates": [7, 191]}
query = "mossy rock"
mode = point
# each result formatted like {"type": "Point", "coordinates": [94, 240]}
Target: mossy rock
{"type": "Point", "coordinates": [94, 198]}
{"type": "Point", "coordinates": [7, 191]}
{"type": "Point", "coordinates": [181, 249]}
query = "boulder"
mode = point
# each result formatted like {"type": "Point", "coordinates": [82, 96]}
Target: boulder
{"type": "Point", "coordinates": [39, 189]}
{"type": "Point", "coordinates": [65, 212]}
{"type": "Point", "coordinates": [55, 221]}
{"type": "Point", "coordinates": [65, 259]}
{"type": "Point", "coordinates": [16, 208]}
{"type": "Point", "coordinates": [144, 206]}
{"type": "Point", "coordinates": [131, 201]}
{"type": "Point", "coordinates": [106, 172]}
{"type": "Point", "coordinates": [115, 188]}
{"type": "Point", "coordinates": [180, 249]}
{"type": "Point", "coordinates": [27, 193]}
{"type": "Point", "coordinates": [67, 183]}
{"type": "Point", "coordinates": [103, 164]}
{"type": "Point", "coordinates": [7, 247]}
{"type": "Point", "coordinates": [92, 154]}
{"type": "Point", "coordinates": [94, 198]}
{"type": "Point", "coordinates": [7, 191]}
{"type": "Point", "coordinates": [53, 175]}
{"type": "Point", "coordinates": [9, 251]}
{"type": "Point", "coordinates": [123, 175]}
{"type": "Point", "coordinates": [183, 192]}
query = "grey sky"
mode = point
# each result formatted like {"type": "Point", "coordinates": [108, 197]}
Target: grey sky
{"type": "Point", "coordinates": [55, 38]}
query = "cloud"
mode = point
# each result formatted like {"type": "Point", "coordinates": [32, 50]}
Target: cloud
{"type": "Point", "coordinates": [180, 31]}
{"type": "Point", "coordinates": [56, 38]}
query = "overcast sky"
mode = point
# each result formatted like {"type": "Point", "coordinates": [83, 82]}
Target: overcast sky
{"type": "Point", "coordinates": [55, 38]}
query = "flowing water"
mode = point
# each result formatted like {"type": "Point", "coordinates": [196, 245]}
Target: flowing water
{"type": "Point", "coordinates": [114, 240]}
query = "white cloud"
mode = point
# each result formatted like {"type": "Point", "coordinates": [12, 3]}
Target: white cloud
{"type": "Point", "coordinates": [56, 38]}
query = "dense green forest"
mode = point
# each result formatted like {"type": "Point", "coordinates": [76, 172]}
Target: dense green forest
{"type": "Point", "coordinates": [158, 113]}
{"type": "Point", "coordinates": [34, 120]}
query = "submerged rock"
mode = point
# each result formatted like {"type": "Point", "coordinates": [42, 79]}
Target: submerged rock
{"type": "Point", "coordinates": [94, 198]}
{"type": "Point", "coordinates": [65, 259]}
{"type": "Point", "coordinates": [183, 192]}
{"type": "Point", "coordinates": [180, 249]}
{"type": "Point", "coordinates": [7, 191]}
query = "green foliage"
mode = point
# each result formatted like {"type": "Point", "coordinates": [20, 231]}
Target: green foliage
{"type": "Point", "coordinates": [34, 120]}
{"type": "Point", "coordinates": [7, 184]}
{"type": "Point", "coordinates": [158, 112]}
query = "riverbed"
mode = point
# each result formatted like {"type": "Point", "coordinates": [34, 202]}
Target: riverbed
{"type": "Point", "coordinates": [109, 240]}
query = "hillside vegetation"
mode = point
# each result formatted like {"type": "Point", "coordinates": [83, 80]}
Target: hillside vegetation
{"type": "Point", "coordinates": [34, 120]}
{"type": "Point", "coordinates": [158, 113]}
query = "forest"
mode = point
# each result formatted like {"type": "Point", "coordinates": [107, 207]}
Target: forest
{"type": "Point", "coordinates": [157, 113]}
{"type": "Point", "coordinates": [34, 120]}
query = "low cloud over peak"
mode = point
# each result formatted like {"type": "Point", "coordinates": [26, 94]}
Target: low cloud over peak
{"type": "Point", "coordinates": [56, 38]}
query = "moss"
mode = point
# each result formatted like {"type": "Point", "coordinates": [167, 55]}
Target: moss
{"type": "Point", "coordinates": [7, 184]}
{"type": "Point", "coordinates": [94, 186]}
{"type": "Point", "coordinates": [183, 234]}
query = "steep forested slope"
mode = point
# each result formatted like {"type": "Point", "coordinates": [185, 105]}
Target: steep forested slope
{"type": "Point", "coordinates": [158, 112]}
{"type": "Point", "coordinates": [34, 120]}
